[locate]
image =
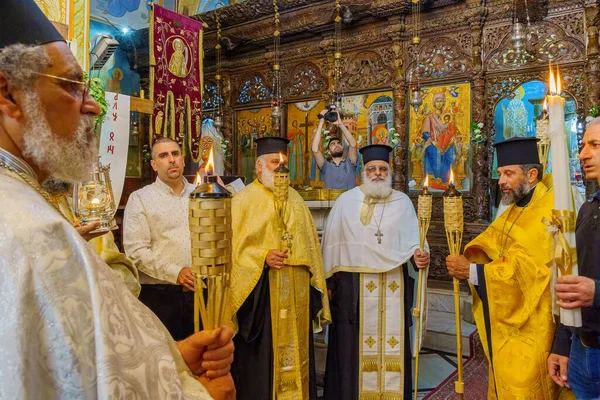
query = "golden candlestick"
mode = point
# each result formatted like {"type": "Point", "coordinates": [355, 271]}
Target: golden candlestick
{"type": "Point", "coordinates": [424, 216]}
{"type": "Point", "coordinates": [454, 224]}
{"type": "Point", "coordinates": [280, 194]}
{"type": "Point", "coordinates": [211, 233]}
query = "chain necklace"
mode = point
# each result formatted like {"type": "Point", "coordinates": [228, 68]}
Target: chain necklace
{"type": "Point", "coordinates": [34, 185]}
{"type": "Point", "coordinates": [503, 245]}
{"type": "Point", "coordinates": [378, 224]}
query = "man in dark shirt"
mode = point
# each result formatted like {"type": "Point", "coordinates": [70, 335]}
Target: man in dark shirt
{"type": "Point", "coordinates": [575, 358]}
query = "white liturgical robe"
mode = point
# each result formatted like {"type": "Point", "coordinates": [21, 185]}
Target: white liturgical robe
{"type": "Point", "coordinates": [69, 328]}
{"type": "Point", "coordinates": [350, 246]}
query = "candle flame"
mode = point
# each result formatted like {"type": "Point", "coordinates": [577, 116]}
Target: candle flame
{"type": "Point", "coordinates": [198, 179]}
{"type": "Point", "coordinates": [545, 104]}
{"type": "Point", "coordinates": [95, 201]}
{"type": "Point", "coordinates": [451, 180]}
{"type": "Point", "coordinates": [555, 88]}
{"type": "Point", "coordinates": [426, 183]}
{"type": "Point", "coordinates": [210, 164]}
{"type": "Point", "coordinates": [281, 158]}
{"type": "Point", "coordinates": [551, 82]}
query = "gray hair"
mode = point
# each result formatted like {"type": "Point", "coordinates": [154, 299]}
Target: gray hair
{"type": "Point", "coordinates": [528, 167]}
{"type": "Point", "coordinates": [20, 63]}
{"type": "Point", "coordinates": [593, 122]}
{"type": "Point", "coordinates": [263, 161]}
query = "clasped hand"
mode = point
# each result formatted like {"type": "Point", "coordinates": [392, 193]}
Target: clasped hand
{"type": "Point", "coordinates": [421, 258]}
{"type": "Point", "coordinates": [275, 258]}
{"type": "Point", "coordinates": [209, 355]}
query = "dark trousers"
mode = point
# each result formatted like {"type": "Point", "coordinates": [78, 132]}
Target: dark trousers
{"type": "Point", "coordinates": [173, 306]}
{"type": "Point", "coordinates": [584, 370]}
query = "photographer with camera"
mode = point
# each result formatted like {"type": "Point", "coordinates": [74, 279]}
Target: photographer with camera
{"type": "Point", "coordinates": [339, 173]}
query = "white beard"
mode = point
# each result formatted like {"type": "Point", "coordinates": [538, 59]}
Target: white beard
{"type": "Point", "coordinates": [268, 178]}
{"type": "Point", "coordinates": [374, 188]}
{"type": "Point", "coordinates": [66, 159]}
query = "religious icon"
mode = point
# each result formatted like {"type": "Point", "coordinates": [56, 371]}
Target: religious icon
{"type": "Point", "coordinates": [251, 124]}
{"type": "Point", "coordinates": [179, 59]}
{"type": "Point", "coordinates": [439, 137]}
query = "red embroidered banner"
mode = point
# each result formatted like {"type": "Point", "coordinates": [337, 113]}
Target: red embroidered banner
{"type": "Point", "coordinates": [176, 79]}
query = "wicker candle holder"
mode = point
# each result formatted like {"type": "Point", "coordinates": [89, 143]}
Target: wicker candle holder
{"type": "Point", "coordinates": [424, 216]}
{"type": "Point", "coordinates": [454, 224]}
{"type": "Point", "coordinates": [210, 232]}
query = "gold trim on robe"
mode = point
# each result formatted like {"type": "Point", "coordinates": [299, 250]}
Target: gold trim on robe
{"type": "Point", "coordinates": [519, 298]}
{"type": "Point", "coordinates": [254, 234]}
{"type": "Point", "coordinates": [381, 335]}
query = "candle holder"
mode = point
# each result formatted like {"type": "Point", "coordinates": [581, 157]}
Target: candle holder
{"type": "Point", "coordinates": [211, 233]}
{"type": "Point", "coordinates": [454, 225]}
{"type": "Point", "coordinates": [424, 216]}
{"type": "Point", "coordinates": [93, 199]}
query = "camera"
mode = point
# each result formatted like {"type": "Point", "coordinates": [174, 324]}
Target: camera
{"type": "Point", "coordinates": [331, 115]}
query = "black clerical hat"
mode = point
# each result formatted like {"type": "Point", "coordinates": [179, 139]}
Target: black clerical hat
{"type": "Point", "coordinates": [271, 144]}
{"type": "Point", "coordinates": [517, 151]}
{"type": "Point", "coordinates": [374, 152]}
{"type": "Point", "coordinates": [22, 21]}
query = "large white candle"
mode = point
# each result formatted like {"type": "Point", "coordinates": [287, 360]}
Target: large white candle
{"type": "Point", "coordinates": [561, 177]}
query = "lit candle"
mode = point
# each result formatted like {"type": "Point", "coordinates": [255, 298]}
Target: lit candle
{"type": "Point", "coordinates": [561, 176]}
{"type": "Point", "coordinates": [210, 164]}
{"type": "Point", "coordinates": [561, 181]}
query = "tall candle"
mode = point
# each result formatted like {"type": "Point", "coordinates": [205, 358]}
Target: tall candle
{"type": "Point", "coordinates": [561, 181]}
{"type": "Point", "coordinates": [561, 176]}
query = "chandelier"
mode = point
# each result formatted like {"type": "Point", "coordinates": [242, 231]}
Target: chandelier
{"type": "Point", "coordinates": [520, 34]}
{"type": "Point", "coordinates": [276, 102]}
{"type": "Point", "coordinates": [415, 97]}
{"type": "Point", "coordinates": [336, 95]}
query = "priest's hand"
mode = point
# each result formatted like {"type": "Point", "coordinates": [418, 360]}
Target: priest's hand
{"type": "Point", "coordinates": [208, 352]}
{"type": "Point", "coordinates": [458, 266]}
{"type": "Point", "coordinates": [186, 278]}
{"type": "Point", "coordinates": [85, 230]}
{"type": "Point", "coordinates": [421, 258]}
{"type": "Point", "coordinates": [575, 291]}
{"type": "Point", "coordinates": [275, 258]}
{"type": "Point", "coordinates": [222, 388]}
{"type": "Point", "coordinates": [557, 369]}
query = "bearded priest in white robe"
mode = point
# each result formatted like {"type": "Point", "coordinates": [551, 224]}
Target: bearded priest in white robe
{"type": "Point", "coordinates": [371, 255]}
{"type": "Point", "coordinates": [69, 327]}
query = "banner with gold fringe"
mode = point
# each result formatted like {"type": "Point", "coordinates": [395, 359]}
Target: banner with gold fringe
{"type": "Point", "coordinates": [176, 79]}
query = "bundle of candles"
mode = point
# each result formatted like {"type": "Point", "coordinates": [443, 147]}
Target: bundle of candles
{"type": "Point", "coordinates": [210, 232]}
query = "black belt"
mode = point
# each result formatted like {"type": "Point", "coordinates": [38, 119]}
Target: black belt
{"type": "Point", "coordinates": [589, 340]}
{"type": "Point", "coordinates": [170, 288]}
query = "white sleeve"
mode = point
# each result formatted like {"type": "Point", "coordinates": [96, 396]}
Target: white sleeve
{"type": "Point", "coordinates": [473, 279]}
{"type": "Point", "coordinates": [137, 243]}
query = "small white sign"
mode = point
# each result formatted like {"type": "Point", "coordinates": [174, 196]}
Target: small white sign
{"type": "Point", "coordinates": [114, 140]}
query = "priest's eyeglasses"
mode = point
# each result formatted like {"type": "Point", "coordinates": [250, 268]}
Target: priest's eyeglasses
{"type": "Point", "coordinates": [79, 89]}
{"type": "Point", "coordinates": [372, 169]}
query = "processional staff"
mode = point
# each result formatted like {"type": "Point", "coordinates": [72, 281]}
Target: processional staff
{"type": "Point", "coordinates": [424, 216]}
{"type": "Point", "coordinates": [454, 225]}
{"type": "Point", "coordinates": [284, 238]}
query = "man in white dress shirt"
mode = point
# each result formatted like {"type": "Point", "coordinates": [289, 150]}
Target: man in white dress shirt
{"type": "Point", "coordinates": [70, 328]}
{"type": "Point", "coordinates": [156, 238]}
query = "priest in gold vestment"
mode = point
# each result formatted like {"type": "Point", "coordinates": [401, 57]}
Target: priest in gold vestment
{"type": "Point", "coordinates": [510, 279]}
{"type": "Point", "coordinates": [270, 362]}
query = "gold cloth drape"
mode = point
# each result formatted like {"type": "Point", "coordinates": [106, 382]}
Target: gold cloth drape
{"type": "Point", "coordinates": [519, 298]}
{"type": "Point", "coordinates": [254, 234]}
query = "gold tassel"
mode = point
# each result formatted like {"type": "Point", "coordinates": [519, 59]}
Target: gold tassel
{"type": "Point", "coordinates": [370, 365]}
{"type": "Point", "coordinates": [393, 366]}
